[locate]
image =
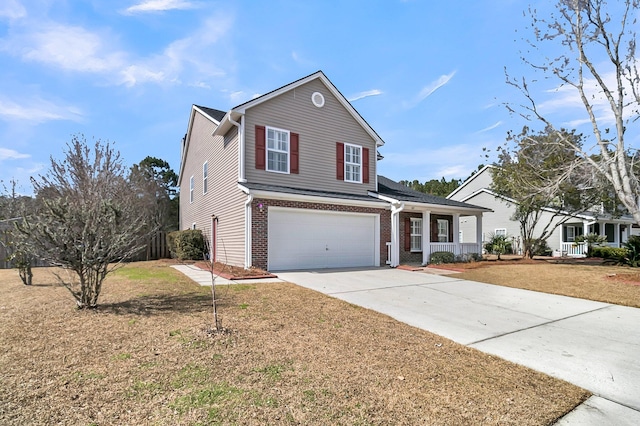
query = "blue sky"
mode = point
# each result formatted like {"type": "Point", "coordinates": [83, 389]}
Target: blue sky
{"type": "Point", "coordinates": [428, 76]}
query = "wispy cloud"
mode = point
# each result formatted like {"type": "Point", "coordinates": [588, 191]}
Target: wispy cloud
{"type": "Point", "coordinates": [365, 94]}
{"type": "Point", "coordinates": [11, 9]}
{"type": "Point", "coordinates": [37, 111]}
{"type": "Point", "coordinates": [429, 89]}
{"type": "Point", "coordinates": [160, 6]}
{"type": "Point", "coordinates": [565, 101]}
{"type": "Point", "coordinates": [493, 126]}
{"type": "Point", "coordinates": [76, 49]}
{"type": "Point", "coordinates": [11, 154]}
{"type": "Point", "coordinates": [66, 47]}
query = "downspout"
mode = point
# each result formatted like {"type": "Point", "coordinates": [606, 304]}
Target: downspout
{"type": "Point", "coordinates": [247, 231]}
{"type": "Point", "coordinates": [396, 208]}
{"type": "Point", "coordinates": [241, 160]}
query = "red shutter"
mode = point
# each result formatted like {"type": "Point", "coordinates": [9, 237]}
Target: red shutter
{"type": "Point", "coordinates": [339, 161]}
{"type": "Point", "coordinates": [261, 149]}
{"type": "Point", "coordinates": [434, 230]}
{"type": "Point", "coordinates": [407, 234]}
{"type": "Point", "coordinates": [365, 165]}
{"type": "Point", "coordinates": [295, 158]}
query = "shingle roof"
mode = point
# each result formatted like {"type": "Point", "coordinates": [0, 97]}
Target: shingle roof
{"type": "Point", "coordinates": [400, 192]}
{"type": "Point", "coordinates": [216, 114]}
{"type": "Point", "coordinates": [310, 192]}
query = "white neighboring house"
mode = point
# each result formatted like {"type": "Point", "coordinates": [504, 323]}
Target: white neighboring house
{"type": "Point", "coordinates": [476, 190]}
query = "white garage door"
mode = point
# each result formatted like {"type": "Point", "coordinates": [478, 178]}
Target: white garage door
{"type": "Point", "coordinates": [307, 239]}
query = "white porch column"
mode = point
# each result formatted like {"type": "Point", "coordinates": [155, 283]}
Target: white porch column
{"type": "Point", "coordinates": [561, 239]}
{"type": "Point", "coordinates": [395, 239]}
{"type": "Point", "coordinates": [479, 232]}
{"type": "Point", "coordinates": [395, 233]}
{"type": "Point", "coordinates": [617, 236]}
{"type": "Point", "coordinates": [426, 237]}
{"type": "Point", "coordinates": [585, 227]}
{"type": "Point", "coordinates": [456, 232]}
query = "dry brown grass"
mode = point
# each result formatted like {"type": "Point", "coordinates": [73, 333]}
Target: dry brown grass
{"type": "Point", "coordinates": [293, 356]}
{"type": "Point", "coordinates": [611, 284]}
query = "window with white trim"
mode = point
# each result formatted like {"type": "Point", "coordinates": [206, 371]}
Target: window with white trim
{"type": "Point", "coordinates": [277, 150]}
{"type": "Point", "coordinates": [416, 234]}
{"type": "Point", "coordinates": [443, 231]}
{"type": "Point", "coordinates": [191, 185]}
{"type": "Point", "coordinates": [352, 163]}
{"type": "Point", "coordinates": [500, 231]}
{"type": "Point", "coordinates": [205, 177]}
{"type": "Point", "coordinates": [571, 233]}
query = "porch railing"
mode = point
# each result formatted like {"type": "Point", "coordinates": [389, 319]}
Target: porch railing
{"type": "Point", "coordinates": [574, 249]}
{"type": "Point", "coordinates": [455, 248]}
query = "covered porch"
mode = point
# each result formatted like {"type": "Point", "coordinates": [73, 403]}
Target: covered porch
{"type": "Point", "coordinates": [422, 224]}
{"type": "Point", "coordinates": [416, 234]}
{"type": "Point", "coordinates": [616, 231]}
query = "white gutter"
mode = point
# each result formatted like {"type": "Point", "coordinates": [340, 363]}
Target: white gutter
{"type": "Point", "coordinates": [241, 160]}
{"type": "Point", "coordinates": [247, 227]}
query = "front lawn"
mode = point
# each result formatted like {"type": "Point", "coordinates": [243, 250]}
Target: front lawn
{"type": "Point", "coordinates": [619, 285]}
{"type": "Point", "coordinates": [293, 356]}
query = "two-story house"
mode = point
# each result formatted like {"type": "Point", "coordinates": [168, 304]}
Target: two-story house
{"type": "Point", "coordinates": [562, 241]}
{"type": "Point", "coordinates": [288, 180]}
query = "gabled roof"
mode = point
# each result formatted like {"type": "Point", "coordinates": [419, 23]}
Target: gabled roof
{"type": "Point", "coordinates": [236, 112]}
{"type": "Point", "coordinates": [471, 179]}
{"type": "Point", "coordinates": [584, 215]}
{"type": "Point", "coordinates": [215, 114]}
{"type": "Point", "coordinates": [397, 191]}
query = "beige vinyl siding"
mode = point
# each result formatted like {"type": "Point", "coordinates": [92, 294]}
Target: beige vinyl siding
{"type": "Point", "coordinates": [223, 198]}
{"type": "Point", "coordinates": [319, 130]}
{"type": "Point", "coordinates": [501, 218]}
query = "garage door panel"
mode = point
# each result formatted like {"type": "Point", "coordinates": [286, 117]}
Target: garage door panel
{"type": "Point", "coordinates": [300, 239]}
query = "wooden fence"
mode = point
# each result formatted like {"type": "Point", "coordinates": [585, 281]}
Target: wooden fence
{"type": "Point", "coordinates": [157, 248]}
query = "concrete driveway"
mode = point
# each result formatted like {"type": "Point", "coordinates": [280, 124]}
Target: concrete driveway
{"type": "Point", "coordinates": [591, 344]}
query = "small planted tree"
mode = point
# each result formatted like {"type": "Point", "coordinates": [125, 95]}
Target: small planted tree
{"type": "Point", "coordinates": [87, 221]}
{"type": "Point", "coordinates": [498, 244]}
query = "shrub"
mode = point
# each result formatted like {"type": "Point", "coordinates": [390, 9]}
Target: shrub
{"type": "Point", "coordinates": [541, 248]}
{"type": "Point", "coordinates": [438, 257]}
{"type": "Point", "coordinates": [468, 257]}
{"type": "Point", "coordinates": [498, 244]}
{"type": "Point", "coordinates": [633, 251]}
{"type": "Point", "coordinates": [187, 245]}
{"type": "Point", "coordinates": [611, 253]}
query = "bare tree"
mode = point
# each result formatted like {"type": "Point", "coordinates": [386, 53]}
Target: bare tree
{"type": "Point", "coordinates": [87, 222]}
{"type": "Point", "coordinates": [546, 180]}
{"type": "Point", "coordinates": [598, 45]}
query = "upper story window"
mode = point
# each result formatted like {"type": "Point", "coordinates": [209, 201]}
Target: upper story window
{"type": "Point", "coordinates": [277, 150]}
{"type": "Point", "coordinates": [205, 177]}
{"type": "Point", "coordinates": [191, 185]}
{"type": "Point", "coordinates": [352, 163]}
{"type": "Point", "coordinates": [416, 234]}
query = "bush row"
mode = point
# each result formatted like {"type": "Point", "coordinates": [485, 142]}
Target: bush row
{"type": "Point", "coordinates": [187, 245]}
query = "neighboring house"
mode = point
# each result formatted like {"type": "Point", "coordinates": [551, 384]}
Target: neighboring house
{"type": "Point", "coordinates": [289, 180]}
{"type": "Point", "coordinates": [476, 190]}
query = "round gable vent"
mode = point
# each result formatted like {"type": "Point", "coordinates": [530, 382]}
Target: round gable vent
{"type": "Point", "coordinates": [317, 99]}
